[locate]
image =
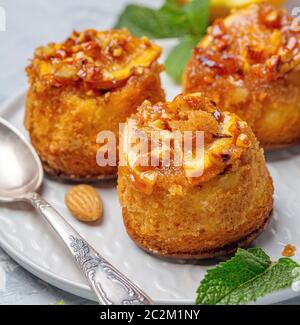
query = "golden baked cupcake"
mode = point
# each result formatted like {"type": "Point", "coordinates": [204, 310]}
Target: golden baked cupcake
{"type": "Point", "coordinates": [205, 206]}
{"type": "Point", "coordinates": [249, 64]}
{"type": "Point", "coordinates": [88, 83]}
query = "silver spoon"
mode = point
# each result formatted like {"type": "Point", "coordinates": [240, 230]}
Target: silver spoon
{"type": "Point", "coordinates": [21, 174]}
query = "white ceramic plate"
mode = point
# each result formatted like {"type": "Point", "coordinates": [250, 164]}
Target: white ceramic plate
{"type": "Point", "coordinates": [31, 242]}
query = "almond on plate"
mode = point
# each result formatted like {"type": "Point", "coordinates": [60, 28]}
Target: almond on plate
{"type": "Point", "coordinates": [85, 203]}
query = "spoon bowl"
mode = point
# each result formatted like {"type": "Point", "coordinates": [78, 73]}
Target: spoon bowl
{"type": "Point", "coordinates": [21, 171]}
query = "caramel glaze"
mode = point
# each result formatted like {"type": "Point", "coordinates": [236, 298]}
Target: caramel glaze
{"type": "Point", "coordinates": [226, 137]}
{"type": "Point", "coordinates": [93, 60]}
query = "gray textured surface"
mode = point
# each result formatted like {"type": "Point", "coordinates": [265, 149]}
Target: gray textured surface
{"type": "Point", "coordinates": [29, 24]}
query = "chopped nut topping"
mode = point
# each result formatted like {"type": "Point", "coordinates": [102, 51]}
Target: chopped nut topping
{"type": "Point", "coordinates": [100, 60]}
{"type": "Point", "coordinates": [271, 18]}
{"type": "Point", "coordinates": [257, 44]}
{"type": "Point", "coordinates": [243, 141]}
{"type": "Point", "coordinates": [117, 52]}
{"type": "Point", "coordinates": [225, 139]}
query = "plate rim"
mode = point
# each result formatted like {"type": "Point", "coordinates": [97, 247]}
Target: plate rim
{"type": "Point", "coordinates": [85, 291]}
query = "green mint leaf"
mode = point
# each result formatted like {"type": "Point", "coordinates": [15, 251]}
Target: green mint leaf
{"type": "Point", "coordinates": [227, 276]}
{"type": "Point", "coordinates": [178, 57]}
{"type": "Point", "coordinates": [278, 276]}
{"type": "Point", "coordinates": [247, 276]}
{"type": "Point", "coordinates": [198, 14]}
{"type": "Point", "coordinates": [140, 21]}
{"type": "Point", "coordinates": [259, 253]}
{"type": "Point", "coordinates": [173, 4]}
{"type": "Point", "coordinates": [60, 302]}
{"type": "Point", "coordinates": [167, 22]}
{"type": "Point", "coordinates": [173, 19]}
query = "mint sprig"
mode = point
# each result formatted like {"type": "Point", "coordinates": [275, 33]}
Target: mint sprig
{"type": "Point", "coordinates": [59, 302]}
{"type": "Point", "coordinates": [174, 19]}
{"type": "Point", "coordinates": [167, 22]}
{"type": "Point", "coordinates": [247, 276]}
{"type": "Point", "coordinates": [278, 276]}
{"type": "Point", "coordinates": [197, 13]}
{"type": "Point", "coordinates": [177, 58]}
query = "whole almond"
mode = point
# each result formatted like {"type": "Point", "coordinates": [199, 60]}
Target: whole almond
{"type": "Point", "coordinates": [85, 203]}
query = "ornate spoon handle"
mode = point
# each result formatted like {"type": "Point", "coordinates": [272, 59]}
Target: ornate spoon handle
{"type": "Point", "coordinates": [110, 286]}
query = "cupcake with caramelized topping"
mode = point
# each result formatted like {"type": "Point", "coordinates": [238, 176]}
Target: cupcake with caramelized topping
{"type": "Point", "coordinates": [89, 83]}
{"type": "Point", "coordinates": [194, 206]}
{"type": "Point", "coordinates": [249, 63]}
